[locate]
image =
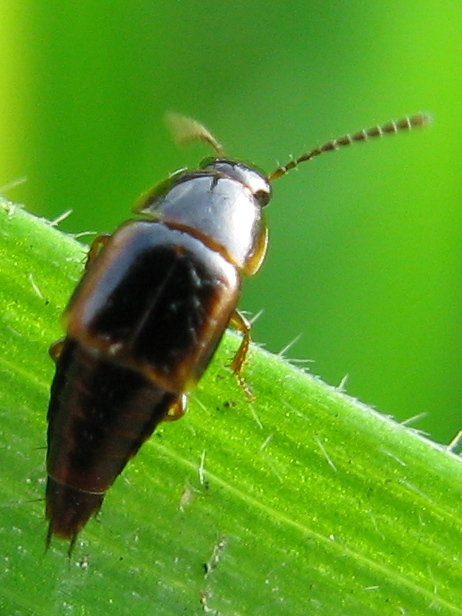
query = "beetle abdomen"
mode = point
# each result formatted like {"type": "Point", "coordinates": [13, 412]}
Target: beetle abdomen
{"type": "Point", "coordinates": [100, 414]}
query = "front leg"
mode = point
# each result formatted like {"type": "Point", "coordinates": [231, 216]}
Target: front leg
{"type": "Point", "coordinates": [96, 247]}
{"type": "Point", "coordinates": [242, 325]}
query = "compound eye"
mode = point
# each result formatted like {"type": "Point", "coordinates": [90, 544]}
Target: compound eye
{"type": "Point", "coordinates": [263, 197]}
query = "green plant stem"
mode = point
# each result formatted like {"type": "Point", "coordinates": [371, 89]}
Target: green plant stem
{"type": "Point", "coordinates": [301, 502]}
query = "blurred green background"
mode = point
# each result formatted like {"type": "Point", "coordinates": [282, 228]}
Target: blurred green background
{"type": "Point", "coordinates": [365, 253]}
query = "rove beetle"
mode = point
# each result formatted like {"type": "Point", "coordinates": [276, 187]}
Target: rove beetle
{"type": "Point", "coordinates": [148, 314]}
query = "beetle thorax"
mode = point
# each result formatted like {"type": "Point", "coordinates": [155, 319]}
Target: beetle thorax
{"type": "Point", "coordinates": [221, 204]}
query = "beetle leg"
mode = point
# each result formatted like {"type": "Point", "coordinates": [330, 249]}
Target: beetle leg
{"type": "Point", "coordinates": [178, 408]}
{"type": "Point", "coordinates": [96, 247]}
{"type": "Point", "coordinates": [56, 349]}
{"type": "Point", "coordinates": [242, 325]}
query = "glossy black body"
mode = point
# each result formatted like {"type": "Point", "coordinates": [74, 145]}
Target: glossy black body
{"type": "Point", "coordinates": [148, 314]}
{"type": "Point", "coordinates": [156, 299]}
{"type": "Point", "coordinates": [88, 448]}
{"type": "Point", "coordinates": [142, 327]}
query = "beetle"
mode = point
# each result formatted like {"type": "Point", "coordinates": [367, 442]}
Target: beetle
{"type": "Point", "coordinates": [148, 314]}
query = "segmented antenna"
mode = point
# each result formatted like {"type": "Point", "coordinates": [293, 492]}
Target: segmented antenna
{"type": "Point", "coordinates": [390, 128]}
{"type": "Point", "coordinates": [186, 130]}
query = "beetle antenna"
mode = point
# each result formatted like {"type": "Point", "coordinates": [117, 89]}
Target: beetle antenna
{"type": "Point", "coordinates": [186, 130]}
{"type": "Point", "coordinates": [390, 128]}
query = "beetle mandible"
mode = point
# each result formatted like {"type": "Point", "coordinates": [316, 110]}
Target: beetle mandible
{"type": "Point", "coordinates": [148, 314]}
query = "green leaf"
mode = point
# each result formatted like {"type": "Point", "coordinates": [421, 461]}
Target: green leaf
{"type": "Point", "coordinates": [301, 502]}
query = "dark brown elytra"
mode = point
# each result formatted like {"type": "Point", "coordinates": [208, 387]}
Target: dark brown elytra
{"type": "Point", "coordinates": [148, 314]}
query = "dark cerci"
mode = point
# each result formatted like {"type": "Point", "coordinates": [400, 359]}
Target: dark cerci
{"type": "Point", "coordinates": [148, 315]}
